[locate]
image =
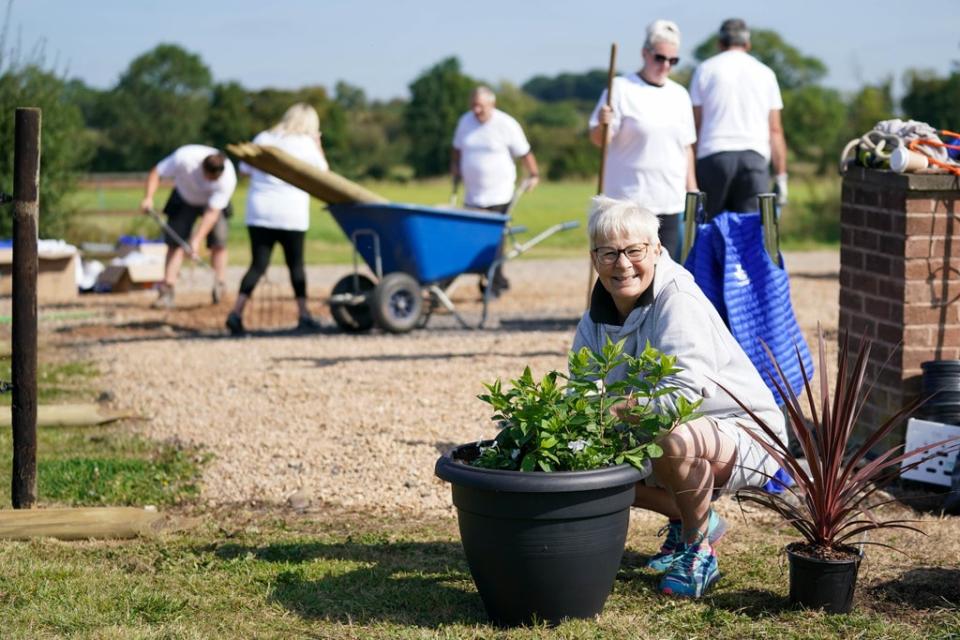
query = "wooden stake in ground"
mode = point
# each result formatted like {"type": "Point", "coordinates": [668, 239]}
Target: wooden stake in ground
{"type": "Point", "coordinates": [78, 523]}
{"type": "Point", "coordinates": [26, 207]}
{"type": "Point", "coordinates": [611, 72]}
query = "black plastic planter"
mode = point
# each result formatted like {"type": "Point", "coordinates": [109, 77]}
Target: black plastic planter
{"type": "Point", "coordinates": [541, 546]}
{"type": "Point", "coordinates": [822, 584]}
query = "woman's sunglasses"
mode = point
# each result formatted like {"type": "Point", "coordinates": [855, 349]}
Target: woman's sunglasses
{"type": "Point", "coordinates": [659, 57]}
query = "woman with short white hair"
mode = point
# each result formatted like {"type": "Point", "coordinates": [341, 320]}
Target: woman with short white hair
{"type": "Point", "coordinates": [650, 135]}
{"type": "Point", "coordinates": [643, 296]}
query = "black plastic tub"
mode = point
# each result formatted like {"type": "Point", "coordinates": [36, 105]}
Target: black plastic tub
{"type": "Point", "coordinates": [941, 383]}
{"type": "Point", "coordinates": [540, 546]}
{"type": "Point", "coordinates": [822, 584]}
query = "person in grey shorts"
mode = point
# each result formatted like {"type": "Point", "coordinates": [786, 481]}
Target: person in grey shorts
{"type": "Point", "coordinates": [204, 180]}
{"type": "Point", "coordinates": [736, 107]}
{"type": "Point", "coordinates": [643, 297]}
{"type": "Point", "coordinates": [181, 216]}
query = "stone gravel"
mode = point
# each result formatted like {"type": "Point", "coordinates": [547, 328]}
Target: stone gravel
{"type": "Point", "coordinates": [358, 421]}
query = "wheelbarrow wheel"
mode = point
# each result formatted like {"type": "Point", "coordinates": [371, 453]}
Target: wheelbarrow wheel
{"type": "Point", "coordinates": [397, 303]}
{"type": "Point", "coordinates": [355, 318]}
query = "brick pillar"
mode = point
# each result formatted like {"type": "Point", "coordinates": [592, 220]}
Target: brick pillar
{"type": "Point", "coordinates": [899, 279]}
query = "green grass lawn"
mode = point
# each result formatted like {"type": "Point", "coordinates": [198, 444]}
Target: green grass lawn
{"type": "Point", "coordinates": [333, 575]}
{"type": "Point", "coordinates": [241, 571]}
{"type": "Point", "coordinates": [810, 221]}
{"type": "Point", "coordinates": [95, 465]}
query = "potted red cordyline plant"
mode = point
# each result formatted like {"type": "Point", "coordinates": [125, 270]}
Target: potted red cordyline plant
{"type": "Point", "coordinates": [830, 504]}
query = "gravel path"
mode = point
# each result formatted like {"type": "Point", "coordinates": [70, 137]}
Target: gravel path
{"type": "Point", "coordinates": [356, 421]}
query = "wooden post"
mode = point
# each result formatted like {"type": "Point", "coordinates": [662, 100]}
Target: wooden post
{"type": "Point", "coordinates": [26, 207]}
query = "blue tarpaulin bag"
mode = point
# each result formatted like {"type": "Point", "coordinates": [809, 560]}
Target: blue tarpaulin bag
{"type": "Point", "coordinates": [752, 294]}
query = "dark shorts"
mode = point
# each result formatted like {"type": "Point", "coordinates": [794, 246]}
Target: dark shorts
{"type": "Point", "coordinates": [732, 180]}
{"type": "Point", "coordinates": [181, 215]}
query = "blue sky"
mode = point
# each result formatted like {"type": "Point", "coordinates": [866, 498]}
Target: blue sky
{"type": "Point", "coordinates": [382, 45]}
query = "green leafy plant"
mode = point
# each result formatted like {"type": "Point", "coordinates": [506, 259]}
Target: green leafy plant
{"type": "Point", "coordinates": [580, 421]}
{"type": "Point", "coordinates": [831, 503]}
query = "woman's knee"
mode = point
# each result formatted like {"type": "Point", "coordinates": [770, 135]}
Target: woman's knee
{"type": "Point", "coordinates": [698, 439]}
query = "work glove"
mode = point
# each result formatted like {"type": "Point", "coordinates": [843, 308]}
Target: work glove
{"type": "Point", "coordinates": [780, 188]}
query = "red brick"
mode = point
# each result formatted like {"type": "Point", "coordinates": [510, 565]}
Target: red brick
{"type": "Point", "coordinates": [865, 283]}
{"type": "Point", "coordinates": [890, 288]}
{"type": "Point", "coordinates": [894, 200]}
{"type": "Point", "coordinates": [847, 193]}
{"type": "Point", "coordinates": [847, 235]}
{"type": "Point", "coordinates": [866, 239]}
{"type": "Point", "coordinates": [916, 336]}
{"type": "Point", "coordinates": [878, 264]}
{"type": "Point", "coordinates": [867, 197]}
{"type": "Point", "coordinates": [946, 335]}
{"type": "Point", "coordinates": [920, 205]}
{"type": "Point", "coordinates": [851, 300]}
{"type": "Point", "coordinates": [919, 292]}
{"type": "Point", "coordinates": [927, 247]}
{"type": "Point", "coordinates": [922, 224]}
{"type": "Point", "coordinates": [946, 204]}
{"type": "Point", "coordinates": [891, 333]}
{"type": "Point", "coordinates": [890, 244]}
{"type": "Point", "coordinates": [922, 268]}
{"type": "Point", "coordinates": [921, 314]}
{"type": "Point", "coordinates": [919, 247]}
{"type": "Point", "coordinates": [942, 292]}
{"type": "Point", "coordinates": [850, 257]}
{"type": "Point", "coordinates": [885, 222]}
{"type": "Point", "coordinates": [851, 216]}
{"type": "Point", "coordinates": [914, 356]}
{"type": "Point", "coordinates": [856, 324]}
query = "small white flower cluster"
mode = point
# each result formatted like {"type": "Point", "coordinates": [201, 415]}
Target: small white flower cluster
{"type": "Point", "coordinates": [577, 445]}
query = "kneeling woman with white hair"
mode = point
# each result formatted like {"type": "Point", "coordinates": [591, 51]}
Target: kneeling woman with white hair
{"type": "Point", "coordinates": [643, 295]}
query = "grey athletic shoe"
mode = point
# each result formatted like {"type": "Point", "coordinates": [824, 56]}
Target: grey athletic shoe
{"type": "Point", "coordinates": [164, 298]}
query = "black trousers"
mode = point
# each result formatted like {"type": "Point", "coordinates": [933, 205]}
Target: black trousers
{"type": "Point", "coordinates": [262, 240]}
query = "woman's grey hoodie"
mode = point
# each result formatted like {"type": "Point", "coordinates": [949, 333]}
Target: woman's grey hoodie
{"type": "Point", "coordinates": [678, 319]}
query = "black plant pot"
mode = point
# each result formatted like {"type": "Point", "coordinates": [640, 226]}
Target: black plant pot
{"type": "Point", "coordinates": [541, 546]}
{"type": "Point", "coordinates": [822, 584]}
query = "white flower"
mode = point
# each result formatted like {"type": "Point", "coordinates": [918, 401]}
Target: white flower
{"type": "Point", "coordinates": [577, 445]}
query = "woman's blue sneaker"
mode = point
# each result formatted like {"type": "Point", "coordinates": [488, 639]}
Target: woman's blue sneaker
{"type": "Point", "coordinates": [661, 561]}
{"type": "Point", "coordinates": [693, 572]}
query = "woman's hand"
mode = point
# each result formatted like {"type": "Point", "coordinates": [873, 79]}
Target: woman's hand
{"type": "Point", "coordinates": [604, 119]}
{"type": "Point", "coordinates": [623, 408]}
{"type": "Point", "coordinates": [605, 116]}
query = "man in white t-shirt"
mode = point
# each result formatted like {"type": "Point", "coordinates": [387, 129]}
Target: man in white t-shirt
{"type": "Point", "coordinates": [204, 181]}
{"type": "Point", "coordinates": [485, 145]}
{"type": "Point", "coordinates": [737, 105]}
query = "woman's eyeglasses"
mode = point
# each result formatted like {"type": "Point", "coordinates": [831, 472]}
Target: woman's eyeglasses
{"type": "Point", "coordinates": [608, 255]}
{"type": "Point", "coordinates": [659, 57]}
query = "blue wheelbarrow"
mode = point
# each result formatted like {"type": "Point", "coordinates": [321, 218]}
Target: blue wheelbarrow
{"type": "Point", "coordinates": [416, 252]}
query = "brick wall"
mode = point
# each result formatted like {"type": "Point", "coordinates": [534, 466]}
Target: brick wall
{"type": "Point", "coordinates": [900, 278]}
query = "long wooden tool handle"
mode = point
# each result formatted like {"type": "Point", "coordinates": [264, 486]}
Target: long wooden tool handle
{"type": "Point", "coordinates": [611, 72]}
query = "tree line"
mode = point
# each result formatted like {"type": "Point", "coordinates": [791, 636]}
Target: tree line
{"type": "Point", "coordinates": [168, 96]}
